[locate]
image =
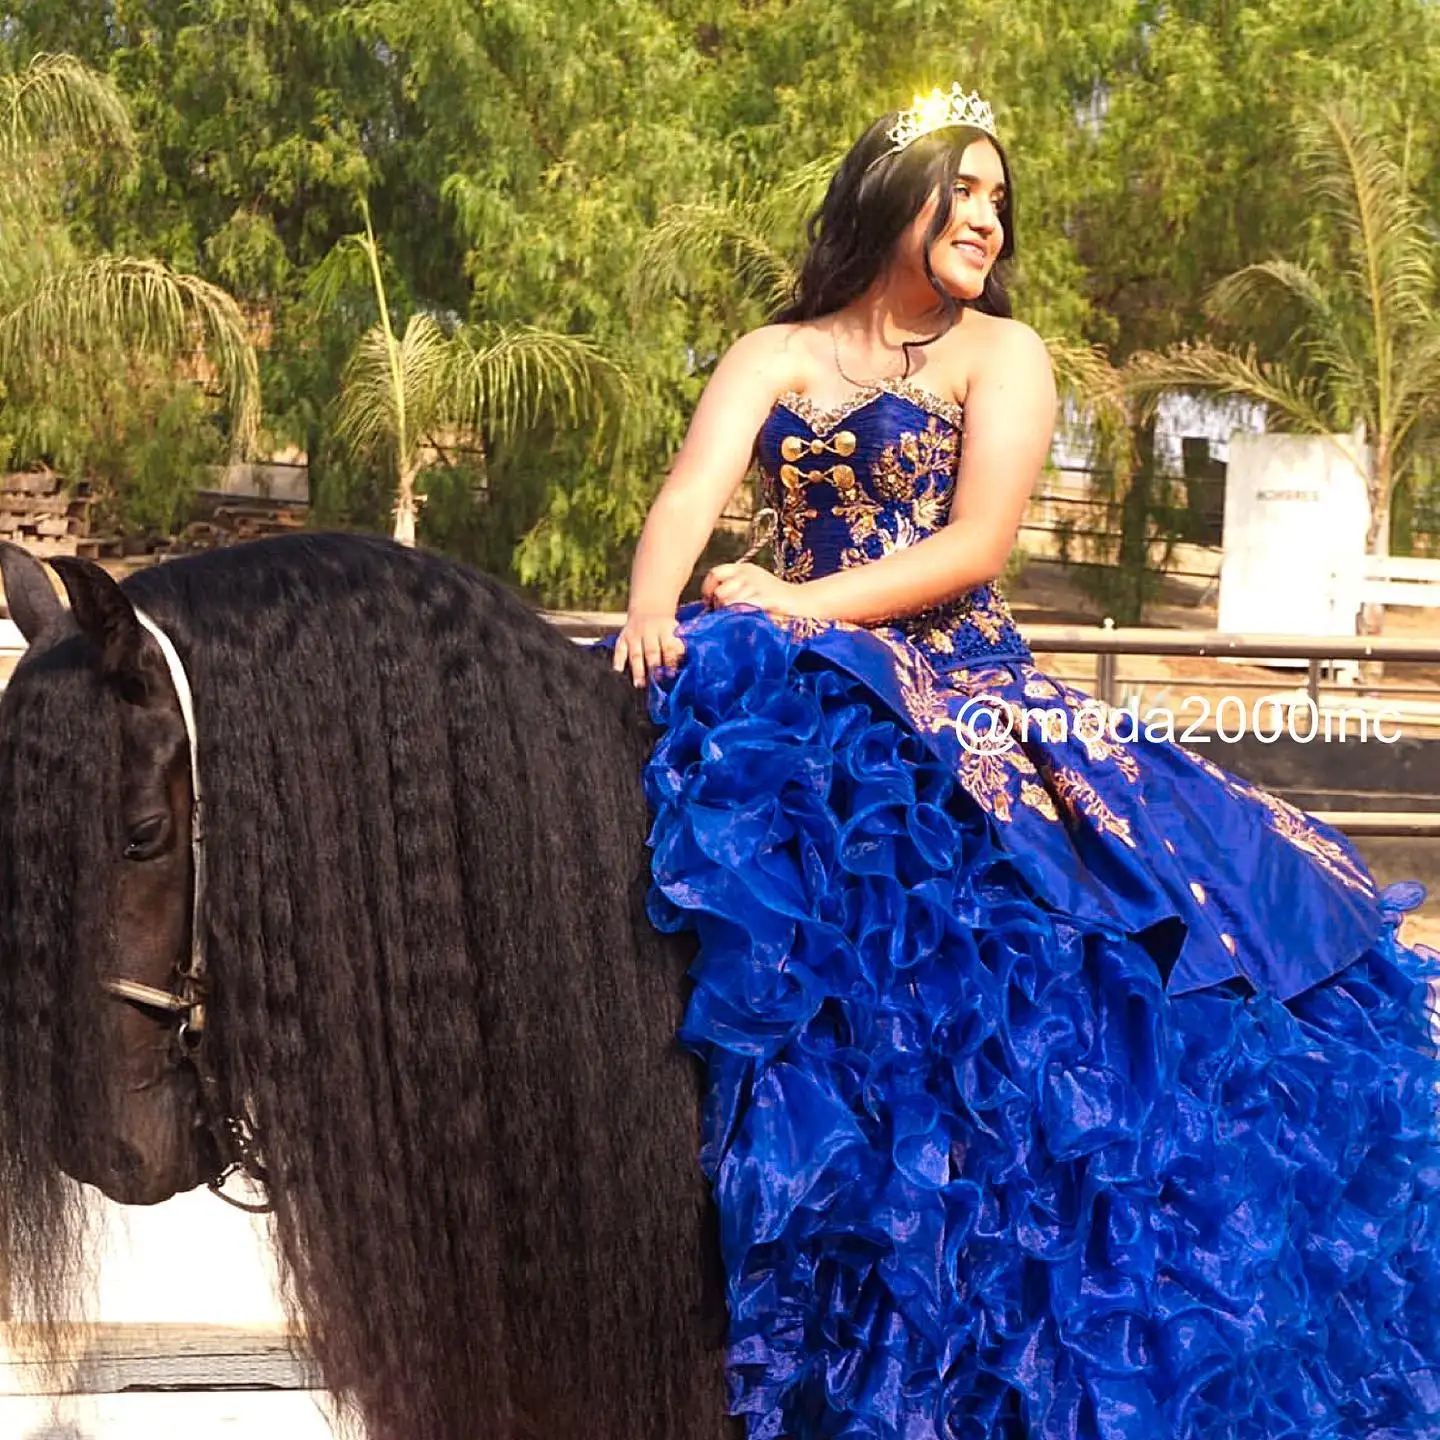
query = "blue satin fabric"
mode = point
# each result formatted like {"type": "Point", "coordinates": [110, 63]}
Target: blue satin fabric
{"type": "Point", "coordinates": [1075, 1091]}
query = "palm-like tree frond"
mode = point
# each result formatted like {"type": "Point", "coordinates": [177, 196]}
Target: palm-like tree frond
{"type": "Point", "coordinates": [113, 299]}
{"type": "Point", "coordinates": [1391, 258]}
{"type": "Point", "coordinates": [389, 392]}
{"type": "Point", "coordinates": [1268, 286]}
{"type": "Point", "coordinates": [344, 269]}
{"type": "Point", "coordinates": [752, 239]}
{"type": "Point", "coordinates": [729, 235]}
{"type": "Point", "coordinates": [507, 379]}
{"type": "Point", "coordinates": [1202, 369]}
{"type": "Point", "coordinates": [56, 103]}
{"type": "Point", "coordinates": [429, 383]}
{"type": "Point", "coordinates": [1084, 374]}
{"type": "Point", "coordinates": [1329, 342]}
{"type": "Point", "coordinates": [1085, 377]}
{"type": "Point", "coordinates": [493, 382]}
{"type": "Point", "coordinates": [1416, 395]}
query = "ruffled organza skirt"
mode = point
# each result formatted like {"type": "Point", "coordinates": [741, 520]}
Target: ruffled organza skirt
{"type": "Point", "coordinates": [984, 1168]}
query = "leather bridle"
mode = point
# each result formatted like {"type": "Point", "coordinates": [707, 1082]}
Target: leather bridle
{"type": "Point", "coordinates": [233, 1135]}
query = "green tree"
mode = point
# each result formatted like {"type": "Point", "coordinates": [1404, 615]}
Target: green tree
{"type": "Point", "coordinates": [405, 396]}
{"type": "Point", "coordinates": [1346, 337]}
{"type": "Point", "coordinates": [67, 313]}
{"type": "Point", "coordinates": [1192, 178]}
{"type": "Point", "coordinates": [517, 154]}
{"type": "Point", "coordinates": [1193, 175]}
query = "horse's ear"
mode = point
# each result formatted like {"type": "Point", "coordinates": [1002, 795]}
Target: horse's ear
{"type": "Point", "coordinates": [128, 655]}
{"type": "Point", "coordinates": [34, 606]}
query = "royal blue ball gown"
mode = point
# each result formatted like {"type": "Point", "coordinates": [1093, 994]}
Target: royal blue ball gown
{"type": "Point", "coordinates": [1072, 1089]}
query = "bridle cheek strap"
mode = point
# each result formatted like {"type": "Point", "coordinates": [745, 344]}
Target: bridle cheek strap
{"type": "Point", "coordinates": [193, 976]}
{"type": "Point", "coordinates": [232, 1134]}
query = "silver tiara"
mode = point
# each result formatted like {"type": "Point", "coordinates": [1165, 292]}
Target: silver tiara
{"type": "Point", "coordinates": [940, 110]}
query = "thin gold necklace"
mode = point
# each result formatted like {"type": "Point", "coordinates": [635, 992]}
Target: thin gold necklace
{"type": "Point", "coordinates": [850, 379]}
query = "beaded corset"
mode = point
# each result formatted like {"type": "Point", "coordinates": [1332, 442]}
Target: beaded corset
{"type": "Point", "coordinates": [869, 477]}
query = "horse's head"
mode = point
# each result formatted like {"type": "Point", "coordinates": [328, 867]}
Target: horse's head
{"type": "Point", "coordinates": [144, 1142]}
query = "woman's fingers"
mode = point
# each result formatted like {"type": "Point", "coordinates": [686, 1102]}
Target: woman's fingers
{"type": "Point", "coordinates": [715, 578]}
{"type": "Point", "coordinates": [734, 591]}
{"type": "Point", "coordinates": [646, 648]}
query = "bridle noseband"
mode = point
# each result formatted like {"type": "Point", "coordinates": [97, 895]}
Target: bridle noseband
{"type": "Point", "coordinates": [233, 1135]}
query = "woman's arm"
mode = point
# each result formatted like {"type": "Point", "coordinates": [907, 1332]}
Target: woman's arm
{"type": "Point", "coordinates": [710, 465]}
{"type": "Point", "coordinates": [1009, 421]}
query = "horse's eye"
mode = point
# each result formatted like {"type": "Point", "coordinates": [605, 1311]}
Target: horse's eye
{"type": "Point", "coordinates": [148, 838]}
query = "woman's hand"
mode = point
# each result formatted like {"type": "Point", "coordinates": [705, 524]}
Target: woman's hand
{"type": "Point", "coordinates": [648, 643]}
{"type": "Point", "coordinates": [746, 584]}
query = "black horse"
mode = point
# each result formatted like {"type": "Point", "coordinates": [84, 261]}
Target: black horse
{"type": "Point", "coordinates": [420, 991]}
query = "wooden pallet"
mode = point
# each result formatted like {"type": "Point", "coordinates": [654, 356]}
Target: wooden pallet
{"type": "Point", "coordinates": [227, 520]}
{"type": "Point", "coordinates": [41, 512]}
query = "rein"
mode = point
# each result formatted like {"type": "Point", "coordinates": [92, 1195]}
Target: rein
{"type": "Point", "coordinates": [232, 1134]}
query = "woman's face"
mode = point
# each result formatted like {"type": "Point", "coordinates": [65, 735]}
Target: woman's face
{"type": "Point", "coordinates": [967, 249]}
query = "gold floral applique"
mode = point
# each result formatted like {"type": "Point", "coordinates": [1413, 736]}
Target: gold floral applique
{"type": "Point", "coordinates": [1079, 799]}
{"type": "Point", "coordinates": [930, 512]}
{"type": "Point", "coordinates": [889, 541]}
{"type": "Point", "coordinates": [990, 614]}
{"type": "Point", "coordinates": [987, 623]}
{"type": "Point", "coordinates": [918, 464]}
{"type": "Point", "coordinates": [912, 481]}
{"type": "Point", "coordinates": [987, 777]}
{"type": "Point", "coordinates": [1037, 797]}
{"type": "Point", "coordinates": [789, 490]}
{"type": "Point", "coordinates": [800, 568]}
{"type": "Point", "coordinates": [857, 509]}
{"type": "Point", "coordinates": [1097, 727]}
{"type": "Point", "coordinates": [806, 627]}
{"type": "Point", "coordinates": [1295, 826]}
{"type": "Point", "coordinates": [981, 608]}
{"type": "Point", "coordinates": [925, 703]}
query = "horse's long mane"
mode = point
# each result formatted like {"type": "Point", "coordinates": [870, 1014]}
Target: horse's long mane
{"type": "Point", "coordinates": [59, 808]}
{"type": "Point", "coordinates": [435, 991]}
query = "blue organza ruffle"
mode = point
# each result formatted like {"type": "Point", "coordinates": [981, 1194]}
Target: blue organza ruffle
{"type": "Point", "coordinates": [978, 1174]}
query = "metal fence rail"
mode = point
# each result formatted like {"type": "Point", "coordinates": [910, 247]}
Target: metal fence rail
{"type": "Point", "coordinates": [1107, 643]}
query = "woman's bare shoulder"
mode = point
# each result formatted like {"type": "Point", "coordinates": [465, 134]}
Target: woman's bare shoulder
{"type": "Point", "coordinates": [783, 351]}
{"type": "Point", "coordinates": [984, 346]}
{"type": "Point", "coordinates": [1014, 339]}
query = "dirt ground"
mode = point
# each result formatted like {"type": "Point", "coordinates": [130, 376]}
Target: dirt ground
{"type": "Point", "coordinates": [1423, 927]}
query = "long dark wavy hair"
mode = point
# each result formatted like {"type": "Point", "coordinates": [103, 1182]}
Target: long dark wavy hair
{"type": "Point", "coordinates": [435, 989]}
{"type": "Point", "coordinates": [866, 209]}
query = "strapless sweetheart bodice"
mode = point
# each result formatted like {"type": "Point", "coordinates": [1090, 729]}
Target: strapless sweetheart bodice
{"type": "Point", "coordinates": [858, 481]}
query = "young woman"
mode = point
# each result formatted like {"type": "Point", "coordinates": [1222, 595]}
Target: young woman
{"type": "Point", "coordinates": [1061, 1084]}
